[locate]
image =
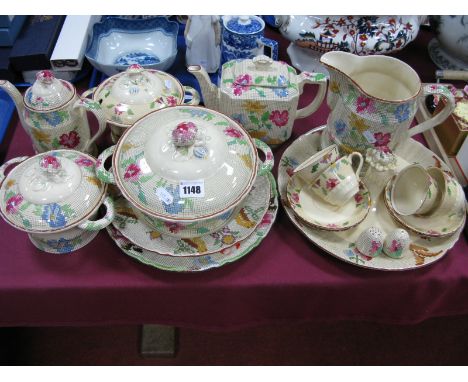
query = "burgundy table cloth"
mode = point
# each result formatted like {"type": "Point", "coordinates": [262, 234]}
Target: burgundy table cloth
{"type": "Point", "coordinates": [285, 279]}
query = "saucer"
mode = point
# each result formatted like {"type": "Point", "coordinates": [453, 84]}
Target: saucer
{"type": "Point", "coordinates": [433, 225]}
{"type": "Point", "coordinates": [319, 214]}
{"type": "Point", "coordinates": [202, 262]}
{"type": "Point", "coordinates": [241, 226]}
{"type": "Point", "coordinates": [442, 59]}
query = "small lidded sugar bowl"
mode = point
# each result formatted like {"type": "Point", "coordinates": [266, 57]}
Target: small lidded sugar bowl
{"type": "Point", "coordinates": [370, 242]}
{"type": "Point", "coordinates": [55, 197]}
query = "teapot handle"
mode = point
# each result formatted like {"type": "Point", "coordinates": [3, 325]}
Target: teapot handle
{"type": "Point", "coordinates": [97, 225]}
{"type": "Point", "coordinates": [444, 92]}
{"type": "Point", "coordinates": [319, 79]}
{"type": "Point", "coordinates": [94, 108]}
{"type": "Point", "coordinates": [102, 174]}
{"type": "Point", "coordinates": [8, 164]}
{"type": "Point", "coordinates": [195, 96]}
{"type": "Point", "coordinates": [267, 165]}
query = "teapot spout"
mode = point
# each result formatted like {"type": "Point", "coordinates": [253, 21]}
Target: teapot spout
{"type": "Point", "coordinates": [9, 88]}
{"type": "Point", "coordinates": [208, 89]}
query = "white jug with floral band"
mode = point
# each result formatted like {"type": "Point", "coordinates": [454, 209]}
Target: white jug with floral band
{"type": "Point", "coordinates": [373, 100]}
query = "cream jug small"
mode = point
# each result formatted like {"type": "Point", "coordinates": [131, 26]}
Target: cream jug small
{"type": "Point", "coordinates": [54, 115]}
{"type": "Point", "coordinates": [373, 100]}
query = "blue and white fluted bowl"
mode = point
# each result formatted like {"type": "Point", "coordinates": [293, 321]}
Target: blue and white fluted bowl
{"type": "Point", "coordinates": [117, 43]}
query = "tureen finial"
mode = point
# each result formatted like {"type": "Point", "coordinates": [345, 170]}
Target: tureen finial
{"type": "Point", "coordinates": [135, 68]}
{"type": "Point", "coordinates": [184, 134]}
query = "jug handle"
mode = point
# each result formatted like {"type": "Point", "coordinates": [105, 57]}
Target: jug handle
{"type": "Point", "coordinates": [195, 96]}
{"type": "Point", "coordinates": [319, 79]}
{"type": "Point", "coordinates": [94, 108]}
{"type": "Point", "coordinates": [442, 91]}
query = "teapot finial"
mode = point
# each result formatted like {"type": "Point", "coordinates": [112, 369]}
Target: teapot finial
{"type": "Point", "coordinates": [45, 76]}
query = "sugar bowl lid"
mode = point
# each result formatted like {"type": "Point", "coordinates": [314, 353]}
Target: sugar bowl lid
{"type": "Point", "coordinates": [243, 24]}
{"type": "Point", "coordinates": [50, 192]}
{"type": "Point", "coordinates": [48, 93]}
{"type": "Point", "coordinates": [185, 163]}
{"type": "Point", "coordinates": [130, 95]}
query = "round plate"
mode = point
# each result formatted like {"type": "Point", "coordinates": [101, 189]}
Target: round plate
{"type": "Point", "coordinates": [442, 59]}
{"type": "Point", "coordinates": [434, 225]}
{"type": "Point", "coordinates": [204, 262]}
{"type": "Point", "coordinates": [342, 244]}
{"type": "Point", "coordinates": [319, 214]}
{"type": "Point", "coordinates": [241, 226]}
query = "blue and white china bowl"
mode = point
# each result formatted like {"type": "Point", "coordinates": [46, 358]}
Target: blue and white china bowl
{"type": "Point", "coordinates": [117, 43]}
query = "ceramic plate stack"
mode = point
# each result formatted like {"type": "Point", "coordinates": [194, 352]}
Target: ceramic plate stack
{"type": "Point", "coordinates": [193, 189]}
{"type": "Point", "coordinates": [424, 250]}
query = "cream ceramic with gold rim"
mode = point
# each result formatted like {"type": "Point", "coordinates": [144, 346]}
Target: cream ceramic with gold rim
{"type": "Point", "coordinates": [313, 210]}
{"type": "Point", "coordinates": [128, 96]}
{"type": "Point", "coordinates": [54, 196]}
{"type": "Point", "coordinates": [186, 165]}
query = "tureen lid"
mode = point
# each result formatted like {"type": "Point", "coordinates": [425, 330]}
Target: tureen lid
{"type": "Point", "coordinates": [185, 163]}
{"type": "Point", "coordinates": [243, 24]}
{"type": "Point", "coordinates": [254, 76]}
{"type": "Point", "coordinates": [48, 92]}
{"type": "Point", "coordinates": [130, 95]}
{"type": "Point", "coordinates": [51, 192]}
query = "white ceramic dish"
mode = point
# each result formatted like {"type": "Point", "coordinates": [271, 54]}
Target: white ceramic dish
{"type": "Point", "coordinates": [424, 251]}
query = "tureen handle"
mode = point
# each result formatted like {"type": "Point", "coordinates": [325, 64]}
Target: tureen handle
{"type": "Point", "coordinates": [102, 174]}
{"type": "Point", "coordinates": [319, 79]}
{"type": "Point", "coordinates": [8, 164]}
{"type": "Point", "coordinates": [97, 225]}
{"type": "Point", "coordinates": [94, 108]}
{"type": "Point", "coordinates": [88, 92]}
{"type": "Point", "coordinates": [443, 92]}
{"type": "Point", "coordinates": [267, 165]}
{"type": "Point", "coordinates": [195, 96]}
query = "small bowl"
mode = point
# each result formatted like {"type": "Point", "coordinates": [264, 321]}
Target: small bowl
{"type": "Point", "coordinates": [448, 190]}
{"type": "Point", "coordinates": [117, 43]}
{"type": "Point", "coordinates": [414, 191]}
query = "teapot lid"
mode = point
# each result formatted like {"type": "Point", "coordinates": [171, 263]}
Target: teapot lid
{"type": "Point", "coordinates": [51, 192]}
{"type": "Point", "coordinates": [253, 77]}
{"type": "Point", "coordinates": [243, 24]}
{"type": "Point", "coordinates": [47, 92]}
{"type": "Point", "coordinates": [130, 95]}
{"type": "Point", "coordinates": [201, 149]}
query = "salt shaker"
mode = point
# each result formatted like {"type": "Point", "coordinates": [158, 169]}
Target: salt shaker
{"type": "Point", "coordinates": [396, 243]}
{"type": "Point", "coordinates": [370, 242]}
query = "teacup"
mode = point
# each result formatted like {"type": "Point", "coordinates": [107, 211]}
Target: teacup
{"type": "Point", "coordinates": [448, 190]}
{"type": "Point", "coordinates": [414, 191]}
{"type": "Point", "coordinates": [338, 183]}
{"type": "Point", "coordinates": [311, 168]}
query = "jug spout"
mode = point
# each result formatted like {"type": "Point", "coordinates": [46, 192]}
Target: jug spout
{"type": "Point", "coordinates": [16, 96]}
{"type": "Point", "coordinates": [209, 90]}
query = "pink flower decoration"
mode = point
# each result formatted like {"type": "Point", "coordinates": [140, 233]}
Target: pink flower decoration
{"type": "Point", "coordinates": [119, 109]}
{"type": "Point", "coordinates": [13, 203]}
{"type": "Point", "coordinates": [382, 139]}
{"type": "Point", "coordinates": [332, 225]}
{"type": "Point", "coordinates": [375, 246]}
{"type": "Point", "coordinates": [279, 118]}
{"type": "Point", "coordinates": [70, 140]}
{"type": "Point", "coordinates": [173, 227]}
{"type": "Point", "coordinates": [395, 246]}
{"type": "Point", "coordinates": [332, 183]}
{"type": "Point", "coordinates": [82, 161]}
{"type": "Point", "coordinates": [132, 172]}
{"type": "Point", "coordinates": [184, 134]}
{"type": "Point", "coordinates": [232, 132]}
{"type": "Point", "coordinates": [269, 156]}
{"type": "Point", "coordinates": [363, 103]}
{"type": "Point", "coordinates": [266, 219]}
{"type": "Point", "coordinates": [295, 197]}
{"type": "Point", "coordinates": [241, 84]}
{"type": "Point", "coordinates": [49, 161]}
{"type": "Point", "coordinates": [171, 101]}
{"type": "Point", "coordinates": [358, 198]}
{"type": "Point", "coordinates": [290, 171]}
